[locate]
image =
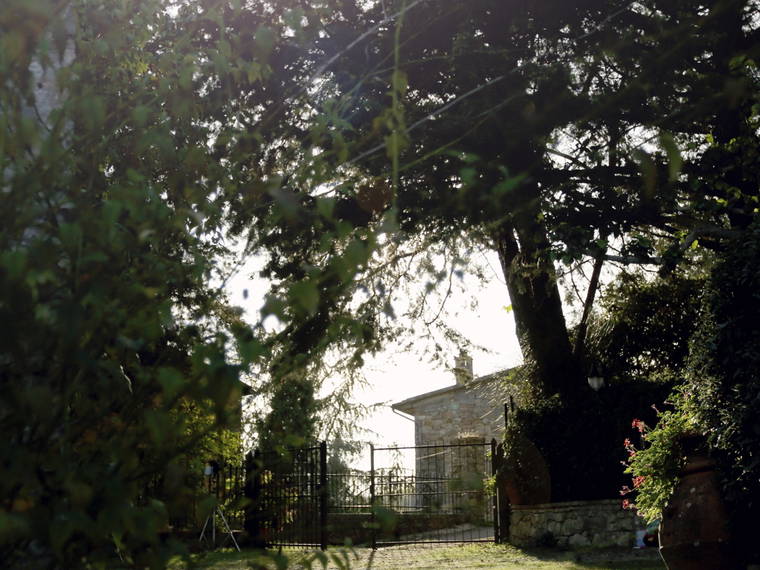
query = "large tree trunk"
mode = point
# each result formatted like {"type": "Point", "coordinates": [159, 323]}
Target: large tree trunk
{"type": "Point", "coordinates": [536, 303]}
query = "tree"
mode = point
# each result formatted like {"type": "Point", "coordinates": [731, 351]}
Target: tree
{"type": "Point", "coordinates": [117, 197]}
{"type": "Point", "coordinates": [107, 255]}
{"type": "Point", "coordinates": [644, 325]}
{"type": "Point", "coordinates": [723, 385]}
{"type": "Point", "coordinates": [541, 131]}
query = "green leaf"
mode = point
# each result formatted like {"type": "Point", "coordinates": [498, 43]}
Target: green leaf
{"type": "Point", "coordinates": [140, 115]}
{"type": "Point", "coordinates": [13, 526]}
{"type": "Point", "coordinates": [468, 175]}
{"type": "Point", "coordinates": [250, 350]}
{"type": "Point", "coordinates": [171, 381]}
{"type": "Point", "coordinates": [399, 81]}
{"type": "Point", "coordinates": [14, 263]}
{"type": "Point", "coordinates": [325, 207]}
{"type": "Point", "coordinates": [158, 426]}
{"type": "Point", "coordinates": [306, 295]}
{"type": "Point", "coordinates": [94, 111]}
{"type": "Point", "coordinates": [264, 39]}
{"type": "Point", "coordinates": [508, 185]}
{"type": "Point", "coordinates": [275, 306]}
{"type": "Point", "coordinates": [71, 235]}
{"type": "Point", "coordinates": [648, 170]}
{"type": "Point", "coordinates": [61, 530]}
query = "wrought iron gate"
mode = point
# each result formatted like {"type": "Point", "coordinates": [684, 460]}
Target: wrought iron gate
{"type": "Point", "coordinates": [288, 497]}
{"type": "Point", "coordinates": [445, 498]}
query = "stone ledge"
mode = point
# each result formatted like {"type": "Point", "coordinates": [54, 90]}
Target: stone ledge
{"type": "Point", "coordinates": [575, 523]}
{"type": "Point", "coordinates": [568, 505]}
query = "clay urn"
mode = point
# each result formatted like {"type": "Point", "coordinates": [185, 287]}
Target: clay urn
{"type": "Point", "coordinates": [523, 474]}
{"type": "Point", "coordinates": [693, 531]}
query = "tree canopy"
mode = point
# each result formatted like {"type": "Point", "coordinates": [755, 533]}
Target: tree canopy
{"type": "Point", "coordinates": [339, 140]}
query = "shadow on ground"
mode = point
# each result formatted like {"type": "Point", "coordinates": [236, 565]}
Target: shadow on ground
{"type": "Point", "coordinates": [433, 557]}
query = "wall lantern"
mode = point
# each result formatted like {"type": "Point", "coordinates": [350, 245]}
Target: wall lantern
{"type": "Point", "coordinates": [596, 382]}
{"type": "Point", "coordinates": [595, 379]}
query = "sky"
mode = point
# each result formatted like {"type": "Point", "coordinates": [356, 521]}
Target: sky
{"type": "Point", "coordinates": [394, 375]}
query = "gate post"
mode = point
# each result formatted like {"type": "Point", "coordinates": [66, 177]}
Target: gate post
{"type": "Point", "coordinates": [372, 494]}
{"type": "Point", "coordinates": [323, 495]}
{"type": "Point", "coordinates": [495, 499]}
{"type": "Point", "coordinates": [252, 492]}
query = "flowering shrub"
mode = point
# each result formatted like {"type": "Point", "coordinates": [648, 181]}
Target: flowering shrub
{"type": "Point", "coordinates": [655, 464]}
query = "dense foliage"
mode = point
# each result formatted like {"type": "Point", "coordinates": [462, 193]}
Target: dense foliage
{"type": "Point", "coordinates": [643, 327]}
{"type": "Point", "coordinates": [540, 131]}
{"type": "Point", "coordinates": [352, 145]}
{"type": "Point", "coordinates": [133, 137]}
{"type": "Point", "coordinates": [112, 330]}
{"type": "Point", "coordinates": [655, 458]}
{"type": "Point", "coordinates": [595, 428]}
{"type": "Point", "coordinates": [723, 382]}
{"type": "Point", "coordinates": [717, 400]}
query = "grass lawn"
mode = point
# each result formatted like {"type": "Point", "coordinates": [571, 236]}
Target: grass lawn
{"type": "Point", "coordinates": [426, 557]}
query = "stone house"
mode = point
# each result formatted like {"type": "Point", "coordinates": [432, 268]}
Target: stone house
{"type": "Point", "coordinates": [471, 410]}
{"type": "Point", "coordinates": [448, 472]}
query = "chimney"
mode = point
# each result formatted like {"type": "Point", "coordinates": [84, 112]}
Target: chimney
{"type": "Point", "coordinates": [463, 367]}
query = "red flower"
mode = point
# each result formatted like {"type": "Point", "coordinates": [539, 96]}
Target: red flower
{"type": "Point", "coordinates": [628, 504]}
{"type": "Point", "coordinates": [637, 481]}
{"type": "Point", "coordinates": [639, 425]}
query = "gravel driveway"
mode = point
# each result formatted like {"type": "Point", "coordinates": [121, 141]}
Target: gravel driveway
{"type": "Point", "coordinates": [484, 555]}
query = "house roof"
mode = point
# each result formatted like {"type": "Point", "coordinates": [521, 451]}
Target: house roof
{"type": "Point", "coordinates": [407, 406]}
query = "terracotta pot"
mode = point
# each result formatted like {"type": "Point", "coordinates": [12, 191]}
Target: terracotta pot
{"type": "Point", "coordinates": [693, 530]}
{"type": "Point", "coordinates": [523, 475]}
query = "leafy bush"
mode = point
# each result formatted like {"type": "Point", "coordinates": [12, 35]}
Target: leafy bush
{"type": "Point", "coordinates": [656, 463]}
{"type": "Point", "coordinates": [639, 343]}
{"type": "Point", "coordinates": [724, 379]}
{"type": "Point", "coordinates": [111, 330]}
{"type": "Point", "coordinates": [584, 456]}
{"type": "Point", "coordinates": [645, 327]}
{"type": "Point", "coordinates": [718, 399]}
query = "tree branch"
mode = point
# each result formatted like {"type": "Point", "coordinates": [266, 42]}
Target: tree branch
{"type": "Point", "coordinates": [593, 285]}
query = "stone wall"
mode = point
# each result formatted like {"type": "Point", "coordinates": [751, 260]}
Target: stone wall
{"type": "Point", "coordinates": [576, 523]}
{"type": "Point", "coordinates": [392, 527]}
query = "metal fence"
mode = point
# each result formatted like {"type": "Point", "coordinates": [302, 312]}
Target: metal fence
{"type": "Point", "coordinates": [288, 495]}
{"type": "Point", "coordinates": [446, 499]}
{"type": "Point", "coordinates": [226, 485]}
{"type": "Point", "coordinates": [290, 499]}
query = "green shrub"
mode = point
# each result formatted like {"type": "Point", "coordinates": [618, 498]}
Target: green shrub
{"type": "Point", "coordinates": [724, 379]}
{"type": "Point", "coordinates": [580, 440]}
{"type": "Point", "coordinates": [719, 398]}
{"type": "Point", "coordinates": [654, 466]}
